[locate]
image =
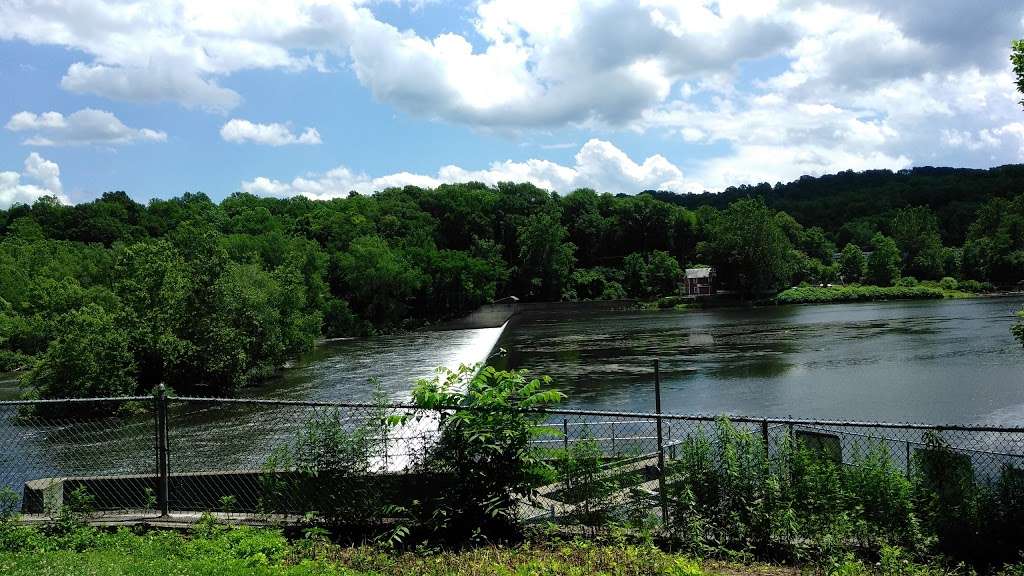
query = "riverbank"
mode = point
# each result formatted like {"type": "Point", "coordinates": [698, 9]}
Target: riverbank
{"type": "Point", "coordinates": [858, 293]}
{"type": "Point", "coordinates": [868, 293]}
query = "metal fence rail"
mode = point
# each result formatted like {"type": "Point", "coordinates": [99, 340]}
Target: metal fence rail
{"type": "Point", "coordinates": [157, 455]}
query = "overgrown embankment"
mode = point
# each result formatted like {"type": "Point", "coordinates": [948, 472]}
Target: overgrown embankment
{"type": "Point", "coordinates": [910, 290]}
{"type": "Point", "coordinates": [212, 549]}
{"type": "Point", "coordinates": [834, 294]}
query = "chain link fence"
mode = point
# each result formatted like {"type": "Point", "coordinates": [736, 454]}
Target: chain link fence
{"type": "Point", "coordinates": [276, 461]}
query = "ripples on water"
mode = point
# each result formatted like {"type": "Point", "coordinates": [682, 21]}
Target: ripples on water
{"type": "Point", "coordinates": [931, 361]}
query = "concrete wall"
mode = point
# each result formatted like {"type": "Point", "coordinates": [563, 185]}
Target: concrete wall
{"type": "Point", "coordinates": [252, 490]}
{"type": "Point", "coordinates": [495, 315]}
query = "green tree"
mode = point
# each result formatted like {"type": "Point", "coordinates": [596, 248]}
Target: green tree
{"type": "Point", "coordinates": [91, 358]}
{"type": "Point", "coordinates": [852, 264]}
{"type": "Point", "coordinates": [749, 248]}
{"type": "Point", "coordinates": [884, 262]}
{"type": "Point", "coordinates": [379, 278]}
{"type": "Point", "coordinates": [663, 274]}
{"type": "Point", "coordinates": [152, 283]}
{"type": "Point", "coordinates": [545, 258]}
{"type": "Point", "coordinates": [994, 250]}
{"type": "Point", "coordinates": [916, 232]}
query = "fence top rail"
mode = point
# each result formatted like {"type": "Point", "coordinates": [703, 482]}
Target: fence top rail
{"type": "Point", "coordinates": [554, 412]}
{"type": "Point", "coordinates": [75, 400]}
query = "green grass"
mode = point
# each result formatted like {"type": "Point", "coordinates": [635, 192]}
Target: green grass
{"type": "Point", "coordinates": [223, 551]}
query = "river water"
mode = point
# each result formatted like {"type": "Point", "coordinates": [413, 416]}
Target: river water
{"type": "Point", "coordinates": [935, 361]}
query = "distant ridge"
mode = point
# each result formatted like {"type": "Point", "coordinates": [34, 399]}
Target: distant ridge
{"type": "Point", "coordinates": [837, 202]}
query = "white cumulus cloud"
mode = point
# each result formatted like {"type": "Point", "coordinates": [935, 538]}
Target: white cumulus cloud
{"type": "Point", "coordinates": [45, 173]}
{"type": "Point", "coordinates": [863, 81]}
{"type": "Point", "coordinates": [86, 126]}
{"type": "Point", "coordinates": [239, 131]}
{"type": "Point", "coordinates": [598, 165]}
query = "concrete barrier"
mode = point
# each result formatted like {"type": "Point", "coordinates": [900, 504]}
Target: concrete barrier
{"type": "Point", "coordinates": [496, 315]}
{"type": "Point", "coordinates": [203, 491]}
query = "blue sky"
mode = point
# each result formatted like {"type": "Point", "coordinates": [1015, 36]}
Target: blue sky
{"type": "Point", "coordinates": [322, 97]}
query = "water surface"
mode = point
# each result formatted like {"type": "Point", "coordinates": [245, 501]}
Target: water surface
{"type": "Point", "coordinates": [935, 361]}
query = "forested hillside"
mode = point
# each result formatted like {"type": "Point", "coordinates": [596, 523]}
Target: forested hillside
{"type": "Point", "coordinates": [852, 206]}
{"type": "Point", "coordinates": [113, 296]}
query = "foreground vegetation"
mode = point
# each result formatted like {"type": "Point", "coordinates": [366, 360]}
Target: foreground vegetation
{"type": "Point", "coordinates": [728, 494]}
{"type": "Point", "coordinates": [230, 551]}
{"type": "Point", "coordinates": [797, 502]}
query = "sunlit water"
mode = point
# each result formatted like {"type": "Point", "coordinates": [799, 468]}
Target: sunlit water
{"type": "Point", "coordinates": [350, 370]}
{"type": "Point", "coordinates": [944, 361]}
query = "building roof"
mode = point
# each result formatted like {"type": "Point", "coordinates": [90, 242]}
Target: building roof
{"type": "Point", "coordinates": [698, 273]}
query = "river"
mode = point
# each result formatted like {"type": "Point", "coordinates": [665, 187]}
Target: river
{"type": "Point", "coordinates": [933, 361]}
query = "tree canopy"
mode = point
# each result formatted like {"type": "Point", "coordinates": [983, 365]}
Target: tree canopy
{"type": "Point", "coordinates": [197, 294]}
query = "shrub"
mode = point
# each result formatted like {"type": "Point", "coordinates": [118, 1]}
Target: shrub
{"type": "Point", "coordinates": [484, 451]}
{"type": "Point", "coordinates": [975, 286]}
{"type": "Point", "coordinates": [327, 471]}
{"type": "Point", "coordinates": [855, 293]}
{"type": "Point", "coordinates": [8, 504]}
{"type": "Point", "coordinates": [948, 283]}
{"type": "Point", "coordinates": [725, 494]}
{"type": "Point", "coordinates": [584, 485]}
{"type": "Point", "coordinates": [907, 282]}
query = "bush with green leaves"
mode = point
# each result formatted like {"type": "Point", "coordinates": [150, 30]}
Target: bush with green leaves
{"type": "Point", "coordinates": [328, 472]}
{"type": "Point", "coordinates": [585, 484]}
{"type": "Point", "coordinates": [484, 451]}
{"type": "Point", "coordinates": [975, 286]}
{"type": "Point", "coordinates": [856, 293]}
{"type": "Point", "coordinates": [730, 494]}
{"type": "Point", "coordinates": [726, 494]}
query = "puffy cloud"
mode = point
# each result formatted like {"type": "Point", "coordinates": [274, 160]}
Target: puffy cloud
{"type": "Point", "coordinates": [542, 63]}
{"type": "Point", "coordinates": [599, 165]}
{"type": "Point", "coordinates": [862, 80]}
{"type": "Point", "coordinates": [87, 126]}
{"type": "Point", "coordinates": [43, 171]}
{"type": "Point", "coordinates": [274, 134]}
{"type": "Point", "coordinates": [151, 83]}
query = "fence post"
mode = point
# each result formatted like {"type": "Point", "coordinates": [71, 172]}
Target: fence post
{"type": "Point", "coordinates": [613, 438]}
{"type": "Point", "coordinates": [162, 468]}
{"type": "Point", "coordinates": [671, 444]}
{"type": "Point", "coordinates": [764, 436]}
{"type": "Point", "coordinates": [661, 445]}
{"type": "Point", "coordinates": [565, 433]}
{"type": "Point", "coordinates": [908, 458]}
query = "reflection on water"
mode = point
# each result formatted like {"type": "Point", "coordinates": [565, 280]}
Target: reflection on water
{"type": "Point", "coordinates": [930, 361]}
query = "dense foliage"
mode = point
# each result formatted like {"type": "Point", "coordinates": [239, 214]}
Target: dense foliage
{"type": "Point", "coordinates": [209, 297]}
{"type": "Point", "coordinates": [732, 494]}
{"type": "Point", "coordinates": [856, 293]}
{"type": "Point", "coordinates": [210, 549]}
{"type": "Point", "coordinates": [852, 206]}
